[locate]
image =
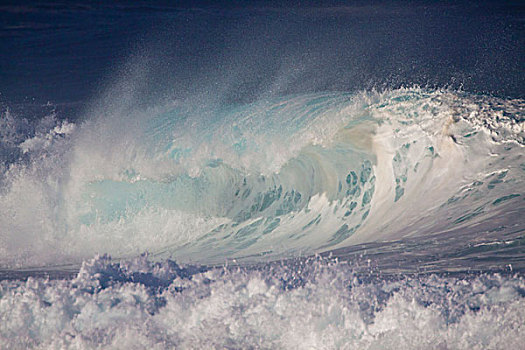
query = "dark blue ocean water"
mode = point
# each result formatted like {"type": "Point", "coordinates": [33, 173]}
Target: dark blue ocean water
{"type": "Point", "coordinates": [66, 52]}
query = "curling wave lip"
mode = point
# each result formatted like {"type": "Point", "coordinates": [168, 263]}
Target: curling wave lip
{"type": "Point", "coordinates": [274, 179]}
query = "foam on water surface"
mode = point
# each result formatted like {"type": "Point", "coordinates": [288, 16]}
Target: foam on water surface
{"type": "Point", "coordinates": [307, 304]}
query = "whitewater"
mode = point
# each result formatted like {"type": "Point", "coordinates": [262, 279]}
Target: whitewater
{"type": "Point", "coordinates": [280, 211]}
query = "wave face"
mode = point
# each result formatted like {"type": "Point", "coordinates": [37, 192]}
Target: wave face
{"type": "Point", "coordinates": [273, 179]}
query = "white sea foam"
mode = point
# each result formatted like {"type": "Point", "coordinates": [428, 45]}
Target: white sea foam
{"type": "Point", "coordinates": [310, 305]}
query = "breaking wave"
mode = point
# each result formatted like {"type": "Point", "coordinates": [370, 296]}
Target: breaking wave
{"type": "Point", "coordinates": [274, 179]}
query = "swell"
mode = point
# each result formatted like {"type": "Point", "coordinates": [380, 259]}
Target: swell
{"type": "Point", "coordinates": [273, 179]}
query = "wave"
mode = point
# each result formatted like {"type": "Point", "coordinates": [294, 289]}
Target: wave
{"type": "Point", "coordinates": [273, 179]}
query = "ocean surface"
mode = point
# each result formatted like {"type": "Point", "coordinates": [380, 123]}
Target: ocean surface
{"type": "Point", "coordinates": [259, 175]}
